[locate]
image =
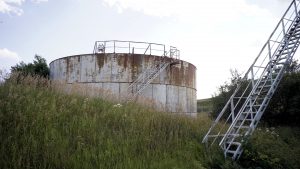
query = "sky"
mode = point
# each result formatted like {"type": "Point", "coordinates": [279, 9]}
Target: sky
{"type": "Point", "coordinates": [215, 36]}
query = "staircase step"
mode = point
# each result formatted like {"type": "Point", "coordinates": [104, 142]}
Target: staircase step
{"type": "Point", "coordinates": [295, 35]}
{"type": "Point", "coordinates": [265, 80]}
{"type": "Point", "coordinates": [293, 38]}
{"type": "Point", "coordinates": [280, 63]}
{"type": "Point", "coordinates": [284, 53]}
{"type": "Point", "coordinates": [285, 48]}
{"type": "Point", "coordinates": [236, 143]}
{"type": "Point", "coordinates": [230, 151]}
{"type": "Point", "coordinates": [294, 29]}
{"type": "Point", "coordinates": [264, 86]}
{"type": "Point", "coordinates": [292, 42]}
{"type": "Point", "coordinates": [252, 112]}
{"type": "Point", "coordinates": [242, 127]}
{"type": "Point", "coordinates": [255, 106]}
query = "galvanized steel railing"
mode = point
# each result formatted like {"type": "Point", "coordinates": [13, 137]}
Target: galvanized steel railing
{"type": "Point", "coordinates": [133, 47]}
{"type": "Point", "coordinates": [241, 114]}
{"type": "Point", "coordinates": [168, 55]}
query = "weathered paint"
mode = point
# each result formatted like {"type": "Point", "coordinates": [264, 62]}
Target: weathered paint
{"type": "Point", "coordinates": [174, 89]}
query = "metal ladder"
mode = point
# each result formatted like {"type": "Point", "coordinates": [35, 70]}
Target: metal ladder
{"type": "Point", "coordinates": [146, 77]}
{"type": "Point", "coordinates": [242, 112]}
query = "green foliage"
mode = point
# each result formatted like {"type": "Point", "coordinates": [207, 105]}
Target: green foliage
{"type": "Point", "coordinates": [38, 67]}
{"type": "Point", "coordinates": [225, 91]}
{"type": "Point", "coordinates": [273, 148]}
{"type": "Point", "coordinates": [42, 128]}
{"type": "Point", "coordinates": [284, 105]}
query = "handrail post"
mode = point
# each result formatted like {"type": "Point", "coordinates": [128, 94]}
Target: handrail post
{"type": "Point", "coordinates": [95, 47]}
{"type": "Point", "coordinates": [295, 5]}
{"type": "Point", "coordinates": [283, 28]}
{"type": "Point", "coordinates": [114, 46]}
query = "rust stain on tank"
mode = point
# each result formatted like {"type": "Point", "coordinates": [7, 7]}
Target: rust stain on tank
{"type": "Point", "coordinates": [147, 61]}
{"type": "Point", "coordinates": [70, 66]}
{"type": "Point", "coordinates": [191, 76]}
{"type": "Point", "coordinates": [137, 60]}
{"type": "Point", "coordinates": [136, 64]}
{"type": "Point", "coordinates": [126, 60]}
{"type": "Point", "coordinates": [101, 59]}
{"type": "Point", "coordinates": [175, 72]}
{"type": "Point", "coordinates": [123, 60]}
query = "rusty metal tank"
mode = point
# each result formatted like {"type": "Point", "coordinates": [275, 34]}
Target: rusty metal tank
{"type": "Point", "coordinates": [119, 63]}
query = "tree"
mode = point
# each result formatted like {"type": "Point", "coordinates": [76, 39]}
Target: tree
{"type": "Point", "coordinates": [224, 92]}
{"type": "Point", "coordinates": [38, 67]}
{"type": "Point", "coordinates": [284, 106]}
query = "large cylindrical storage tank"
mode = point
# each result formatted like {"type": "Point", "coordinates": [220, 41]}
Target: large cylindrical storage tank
{"type": "Point", "coordinates": [173, 90]}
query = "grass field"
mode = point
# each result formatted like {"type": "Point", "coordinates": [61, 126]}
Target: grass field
{"type": "Point", "coordinates": [43, 128]}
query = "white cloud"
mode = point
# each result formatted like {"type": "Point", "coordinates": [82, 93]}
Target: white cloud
{"type": "Point", "coordinates": [39, 1]}
{"type": "Point", "coordinates": [189, 9]}
{"type": "Point", "coordinates": [5, 53]}
{"type": "Point", "coordinates": [14, 6]}
{"type": "Point", "coordinates": [11, 6]}
{"type": "Point", "coordinates": [8, 58]}
{"type": "Point", "coordinates": [213, 35]}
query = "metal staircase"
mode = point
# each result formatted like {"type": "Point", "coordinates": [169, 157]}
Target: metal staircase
{"type": "Point", "coordinates": [132, 47]}
{"type": "Point", "coordinates": [241, 114]}
{"type": "Point", "coordinates": [146, 77]}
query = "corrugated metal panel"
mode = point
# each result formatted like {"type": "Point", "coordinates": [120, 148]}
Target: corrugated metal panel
{"type": "Point", "coordinates": [172, 98]}
{"type": "Point", "coordinates": [112, 90]}
{"type": "Point", "coordinates": [62, 70]}
{"type": "Point", "coordinates": [87, 71]}
{"type": "Point", "coordinates": [182, 99]}
{"type": "Point", "coordinates": [123, 91]}
{"type": "Point", "coordinates": [73, 69]}
{"type": "Point", "coordinates": [109, 75]}
{"type": "Point", "coordinates": [146, 96]}
{"type": "Point", "coordinates": [159, 95]}
{"type": "Point", "coordinates": [103, 68]}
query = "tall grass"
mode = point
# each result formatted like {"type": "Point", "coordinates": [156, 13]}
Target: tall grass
{"type": "Point", "coordinates": [43, 128]}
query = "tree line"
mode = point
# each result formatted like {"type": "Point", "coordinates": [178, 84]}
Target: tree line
{"type": "Point", "coordinates": [284, 107]}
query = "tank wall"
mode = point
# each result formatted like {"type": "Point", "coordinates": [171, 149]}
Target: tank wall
{"type": "Point", "coordinates": [173, 90]}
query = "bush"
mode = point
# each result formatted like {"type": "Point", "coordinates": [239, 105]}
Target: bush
{"type": "Point", "coordinates": [38, 67]}
{"type": "Point", "coordinates": [284, 106]}
{"type": "Point", "coordinates": [273, 148]}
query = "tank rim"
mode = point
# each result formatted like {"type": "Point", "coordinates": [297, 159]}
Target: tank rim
{"type": "Point", "coordinates": [112, 53]}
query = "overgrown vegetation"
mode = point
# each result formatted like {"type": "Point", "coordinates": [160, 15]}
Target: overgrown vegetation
{"type": "Point", "coordinates": [42, 128]}
{"type": "Point", "coordinates": [284, 106]}
{"type": "Point", "coordinates": [38, 67]}
{"type": "Point", "coordinates": [280, 133]}
{"type": "Point", "coordinates": [274, 147]}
